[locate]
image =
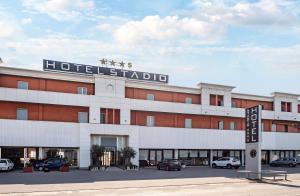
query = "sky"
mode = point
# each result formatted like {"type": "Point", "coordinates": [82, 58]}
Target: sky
{"type": "Point", "coordinates": [253, 45]}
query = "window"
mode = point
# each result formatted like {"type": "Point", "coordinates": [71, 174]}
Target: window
{"type": "Point", "coordinates": [150, 121]}
{"type": "Point", "coordinates": [102, 118]}
{"type": "Point", "coordinates": [233, 104]}
{"type": "Point", "coordinates": [221, 125]}
{"type": "Point", "coordinates": [188, 100]}
{"type": "Point", "coordinates": [22, 114]}
{"type": "Point", "coordinates": [82, 90]}
{"type": "Point", "coordinates": [150, 97]}
{"type": "Point", "coordinates": [82, 117]}
{"type": "Point", "coordinates": [22, 85]}
{"type": "Point", "coordinates": [232, 125]}
{"type": "Point", "coordinates": [286, 128]}
{"type": "Point", "coordinates": [285, 106]}
{"type": "Point", "coordinates": [217, 100]}
{"type": "Point", "coordinates": [273, 128]}
{"type": "Point", "coordinates": [188, 123]}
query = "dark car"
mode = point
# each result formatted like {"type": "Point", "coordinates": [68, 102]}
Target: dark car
{"type": "Point", "coordinates": [144, 163]}
{"type": "Point", "coordinates": [169, 165]}
{"type": "Point", "coordinates": [38, 164]}
{"type": "Point", "coordinates": [290, 162]}
{"type": "Point", "coordinates": [53, 164]}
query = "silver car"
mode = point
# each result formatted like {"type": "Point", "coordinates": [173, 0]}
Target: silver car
{"type": "Point", "coordinates": [6, 164]}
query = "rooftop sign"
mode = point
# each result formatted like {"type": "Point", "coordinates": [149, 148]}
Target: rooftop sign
{"type": "Point", "coordinates": [50, 65]}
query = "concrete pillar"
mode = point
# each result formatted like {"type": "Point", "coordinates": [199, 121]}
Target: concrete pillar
{"type": "Point", "coordinates": [124, 116]}
{"type": "Point", "coordinates": [94, 115]}
{"type": "Point", "coordinates": [25, 156]}
{"type": "Point", "coordinates": [243, 157]}
{"type": "Point", "coordinates": [40, 153]}
{"type": "Point", "coordinates": [210, 157]}
{"type": "Point", "coordinates": [175, 154]}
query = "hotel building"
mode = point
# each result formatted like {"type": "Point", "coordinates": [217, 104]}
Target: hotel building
{"type": "Point", "coordinates": [43, 114]}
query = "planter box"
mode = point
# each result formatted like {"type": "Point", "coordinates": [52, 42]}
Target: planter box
{"type": "Point", "coordinates": [28, 169]}
{"type": "Point", "coordinates": [64, 169]}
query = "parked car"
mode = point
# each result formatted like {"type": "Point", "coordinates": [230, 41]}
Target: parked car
{"type": "Point", "coordinates": [52, 164]}
{"type": "Point", "coordinates": [6, 165]}
{"type": "Point", "coordinates": [169, 165]}
{"type": "Point", "coordinates": [144, 163]}
{"type": "Point", "coordinates": [227, 162]}
{"type": "Point", "coordinates": [38, 164]}
{"type": "Point", "coordinates": [290, 162]}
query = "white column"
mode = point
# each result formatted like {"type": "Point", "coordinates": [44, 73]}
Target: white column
{"type": "Point", "coordinates": [210, 157]}
{"type": "Point", "coordinates": [176, 154]}
{"type": "Point", "coordinates": [25, 156]}
{"type": "Point", "coordinates": [84, 148]}
{"type": "Point", "coordinates": [40, 153]}
{"type": "Point", "coordinates": [243, 158]}
{"type": "Point", "coordinates": [125, 116]}
{"type": "Point", "coordinates": [94, 114]}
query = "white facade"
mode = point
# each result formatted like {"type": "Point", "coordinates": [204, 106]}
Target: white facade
{"type": "Point", "coordinates": [110, 93]}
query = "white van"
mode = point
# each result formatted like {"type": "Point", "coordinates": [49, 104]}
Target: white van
{"type": "Point", "coordinates": [6, 164]}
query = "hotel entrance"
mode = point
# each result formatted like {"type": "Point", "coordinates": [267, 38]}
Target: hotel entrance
{"type": "Point", "coordinates": [109, 158]}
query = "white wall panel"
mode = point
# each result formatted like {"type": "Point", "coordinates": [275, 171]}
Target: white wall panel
{"type": "Point", "coordinates": [38, 133]}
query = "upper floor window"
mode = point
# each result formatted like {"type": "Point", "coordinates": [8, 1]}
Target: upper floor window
{"type": "Point", "coordinates": [150, 121]}
{"type": "Point", "coordinates": [221, 125]}
{"type": "Point", "coordinates": [217, 100]}
{"type": "Point", "coordinates": [22, 85]}
{"type": "Point", "coordinates": [299, 108]}
{"type": "Point", "coordinates": [82, 90]}
{"type": "Point", "coordinates": [188, 123]}
{"type": "Point", "coordinates": [273, 128]}
{"type": "Point", "coordinates": [233, 104]}
{"type": "Point", "coordinates": [82, 117]}
{"type": "Point", "coordinates": [150, 97]}
{"type": "Point", "coordinates": [102, 118]}
{"type": "Point", "coordinates": [285, 106]}
{"type": "Point", "coordinates": [22, 114]}
{"type": "Point", "coordinates": [286, 128]}
{"type": "Point", "coordinates": [232, 125]}
{"type": "Point", "coordinates": [188, 100]}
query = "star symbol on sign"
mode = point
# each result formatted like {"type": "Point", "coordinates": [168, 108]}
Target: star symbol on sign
{"type": "Point", "coordinates": [122, 64]}
{"type": "Point", "coordinates": [129, 65]}
{"type": "Point", "coordinates": [112, 62]}
{"type": "Point", "coordinates": [103, 61]}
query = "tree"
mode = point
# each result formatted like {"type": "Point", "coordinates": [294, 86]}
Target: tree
{"type": "Point", "coordinates": [128, 153]}
{"type": "Point", "coordinates": [96, 153]}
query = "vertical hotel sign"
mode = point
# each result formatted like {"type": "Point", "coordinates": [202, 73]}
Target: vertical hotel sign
{"type": "Point", "coordinates": [253, 140]}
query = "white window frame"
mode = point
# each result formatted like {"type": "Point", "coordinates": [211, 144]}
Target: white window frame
{"type": "Point", "coordinates": [150, 121]}
{"type": "Point", "coordinates": [82, 90]}
{"type": "Point", "coordinates": [221, 125]}
{"type": "Point", "coordinates": [80, 117]}
{"type": "Point", "coordinates": [150, 97]}
{"type": "Point", "coordinates": [21, 83]}
{"type": "Point", "coordinates": [188, 123]}
{"type": "Point", "coordinates": [233, 125]}
{"type": "Point", "coordinates": [188, 100]}
{"type": "Point", "coordinates": [19, 117]}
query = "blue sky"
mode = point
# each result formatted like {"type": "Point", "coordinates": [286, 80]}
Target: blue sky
{"type": "Point", "coordinates": [253, 45]}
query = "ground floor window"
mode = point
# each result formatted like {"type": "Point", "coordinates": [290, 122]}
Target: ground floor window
{"type": "Point", "coordinates": [70, 155]}
{"type": "Point", "coordinates": [194, 157]}
{"type": "Point", "coordinates": [150, 157]}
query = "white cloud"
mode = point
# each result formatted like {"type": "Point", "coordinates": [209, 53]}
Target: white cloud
{"type": "Point", "coordinates": [8, 29]}
{"type": "Point", "coordinates": [60, 10]}
{"type": "Point", "coordinates": [169, 28]}
{"type": "Point", "coordinates": [26, 21]}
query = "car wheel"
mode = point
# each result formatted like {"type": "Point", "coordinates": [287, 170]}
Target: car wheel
{"type": "Point", "coordinates": [213, 165]}
{"type": "Point", "coordinates": [178, 169]}
{"type": "Point", "coordinates": [291, 165]}
{"type": "Point", "coordinates": [229, 166]}
{"type": "Point", "coordinates": [40, 168]}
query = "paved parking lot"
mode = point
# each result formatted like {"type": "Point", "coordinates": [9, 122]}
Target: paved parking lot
{"type": "Point", "coordinates": [147, 180]}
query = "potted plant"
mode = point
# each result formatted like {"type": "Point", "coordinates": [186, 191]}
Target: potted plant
{"type": "Point", "coordinates": [96, 153]}
{"type": "Point", "coordinates": [65, 167]}
{"type": "Point", "coordinates": [28, 168]}
{"type": "Point", "coordinates": [128, 153]}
